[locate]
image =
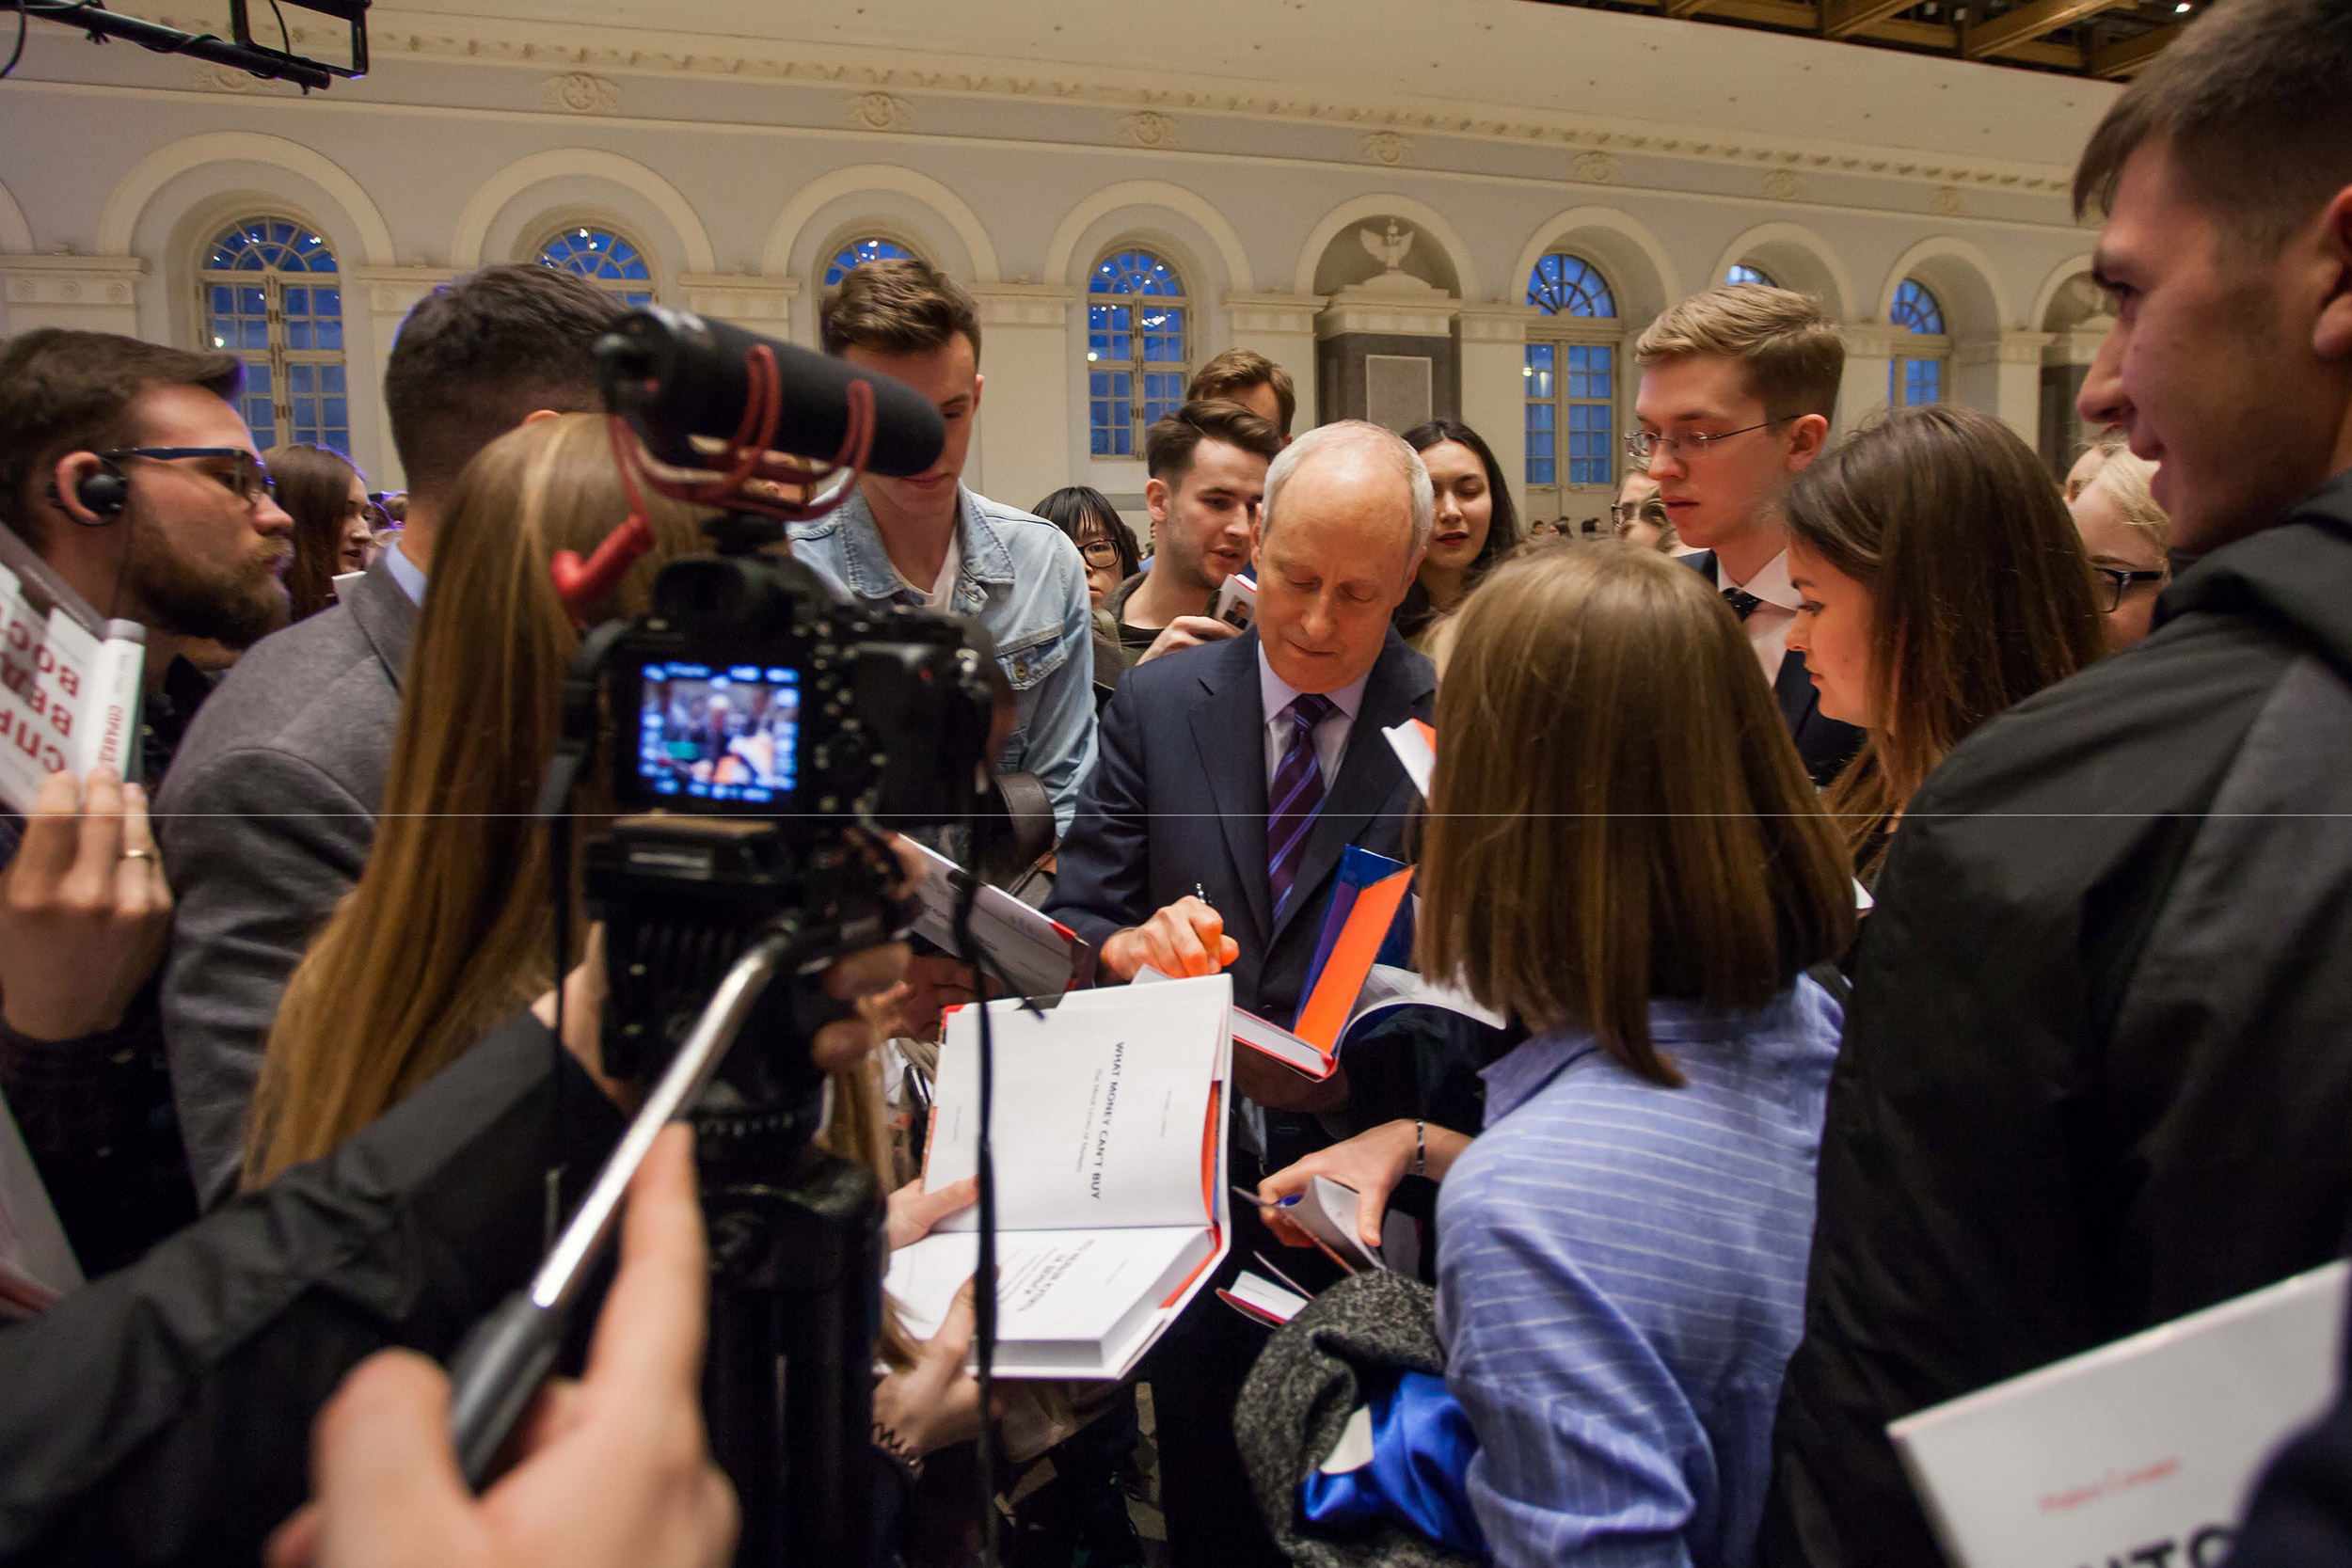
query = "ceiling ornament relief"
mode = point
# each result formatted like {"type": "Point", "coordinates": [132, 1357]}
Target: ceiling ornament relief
{"type": "Point", "coordinates": [1144, 128]}
{"type": "Point", "coordinates": [1388, 148]}
{"type": "Point", "coordinates": [500, 40]}
{"type": "Point", "coordinates": [578, 93]}
{"type": "Point", "coordinates": [879, 111]}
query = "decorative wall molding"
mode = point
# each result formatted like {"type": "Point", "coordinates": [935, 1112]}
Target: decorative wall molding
{"type": "Point", "coordinates": [400, 33]}
{"type": "Point", "coordinates": [393, 291]}
{"type": "Point", "coordinates": [1357, 310]}
{"type": "Point", "coordinates": [1146, 128]}
{"type": "Point", "coordinates": [1596, 169]}
{"type": "Point", "coordinates": [167, 162]}
{"type": "Point", "coordinates": [223, 78]}
{"type": "Point", "coordinates": [2014, 346]}
{"type": "Point", "coordinates": [878, 111]}
{"type": "Point", "coordinates": [577, 92]}
{"type": "Point", "coordinates": [74, 280]}
{"type": "Point", "coordinates": [1432, 224]}
{"type": "Point", "coordinates": [1870, 339]}
{"type": "Point", "coordinates": [806, 202]}
{"type": "Point", "coordinates": [2077, 347]}
{"type": "Point", "coordinates": [1024, 304]}
{"type": "Point", "coordinates": [1261, 314]}
{"type": "Point", "coordinates": [750, 298]}
{"type": "Point", "coordinates": [1949, 201]}
{"type": "Point", "coordinates": [1389, 148]}
{"type": "Point", "coordinates": [1783, 184]}
{"type": "Point", "coordinates": [1496, 323]}
{"type": "Point", "coordinates": [1061, 251]}
{"type": "Point", "coordinates": [474, 224]}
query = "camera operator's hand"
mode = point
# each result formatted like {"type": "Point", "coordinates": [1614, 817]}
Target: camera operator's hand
{"type": "Point", "coordinates": [614, 1471]}
{"type": "Point", "coordinates": [85, 910]}
{"type": "Point", "coordinates": [1188, 938]}
{"type": "Point", "coordinates": [1187, 632]}
{"type": "Point", "coordinates": [914, 1212]}
{"type": "Point", "coordinates": [936, 1402]}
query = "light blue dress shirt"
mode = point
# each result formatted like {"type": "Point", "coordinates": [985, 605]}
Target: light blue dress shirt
{"type": "Point", "coordinates": [1021, 579]}
{"type": "Point", "coordinates": [405, 573]}
{"type": "Point", "coordinates": [1621, 1283]}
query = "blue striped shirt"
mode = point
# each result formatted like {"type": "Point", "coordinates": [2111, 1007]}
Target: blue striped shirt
{"type": "Point", "coordinates": [1622, 1280]}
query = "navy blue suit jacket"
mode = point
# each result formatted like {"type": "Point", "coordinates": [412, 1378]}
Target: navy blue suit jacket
{"type": "Point", "coordinates": [1825, 744]}
{"type": "Point", "coordinates": [1178, 800]}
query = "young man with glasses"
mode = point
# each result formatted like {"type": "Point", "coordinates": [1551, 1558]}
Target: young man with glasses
{"type": "Point", "coordinates": [1207, 463]}
{"type": "Point", "coordinates": [1737, 387]}
{"type": "Point", "coordinates": [125, 467]}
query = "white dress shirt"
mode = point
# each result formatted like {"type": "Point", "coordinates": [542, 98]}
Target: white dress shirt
{"type": "Point", "coordinates": [1277, 695]}
{"type": "Point", "coordinates": [1768, 624]}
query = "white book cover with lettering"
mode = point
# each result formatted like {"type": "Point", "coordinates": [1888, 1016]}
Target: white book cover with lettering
{"type": "Point", "coordinates": [1110, 1173]}
{"type": "Point", "coordinates": [69, 679]}
{"type": "Point", "coordinates": [2139, 1451]}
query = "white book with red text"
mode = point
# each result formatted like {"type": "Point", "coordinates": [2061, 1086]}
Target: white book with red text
{"type": "Point", "coordinates": [2108, 1456]}
{"type": "Point", "coordinates": [1109, 1139]}
{"type": "Point", "coordinates": [69, 679]}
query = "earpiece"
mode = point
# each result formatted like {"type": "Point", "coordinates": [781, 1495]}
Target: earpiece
{"type": "Point", "coordinates": [104, 494]}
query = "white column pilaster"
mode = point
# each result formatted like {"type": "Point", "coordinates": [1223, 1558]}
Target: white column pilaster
{"type": "Point", "coordinates": [2001, 375]}
{"type": "Point", "coordinates": [753, 301]}
{"type": "Point", "coordinates": [80, 294]}
{"type": "Point", "coordinates": [1494, 390]}
{"type": "Point", "coordinates": [1021, 450]}
{"type": "Point", "coordinates": [1281, 327]}
{"type": "Point", "coordinates": [1870, 351]}
{"type": "Point", "coordinates": [376, 302]}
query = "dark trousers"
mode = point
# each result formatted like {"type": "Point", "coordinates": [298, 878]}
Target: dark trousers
{"type": "Point", "coordinates": [1196, 1372]}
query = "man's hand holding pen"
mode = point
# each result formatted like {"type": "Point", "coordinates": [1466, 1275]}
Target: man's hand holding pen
{"type": "Point", "coordinates": [1187, 937]}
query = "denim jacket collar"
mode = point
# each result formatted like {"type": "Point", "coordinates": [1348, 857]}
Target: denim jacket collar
{"type": "Point", "coordinates": [985, 562]}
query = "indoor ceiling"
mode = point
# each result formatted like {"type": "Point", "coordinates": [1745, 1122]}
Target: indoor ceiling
{"type": "Point", "coordinates": [2105, 39]}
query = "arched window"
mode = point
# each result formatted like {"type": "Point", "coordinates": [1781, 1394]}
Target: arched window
{"type": "Point", "coordinates": [1915, 376]}
{"type": "Point", "coordinates": [273, 296]}
{"type": "Point", "coordinates": [859, 252]}
{"type": "Point", "coordinates": [1742, 273]}
{"type": "Point", "coordinates": [603, 258]}
{"type": "Point", "coordinates": [1136, 353]}
{"type": "Point", "coordinates": [1571, 377]}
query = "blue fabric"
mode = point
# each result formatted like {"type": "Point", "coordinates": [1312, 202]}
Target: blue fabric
{"type": "Point", "coordinates": [405, 573]}
{"type": "Point", "coordinates": [1621, 1282]}
{"type": "Point", "coordinates": [1422, 1445]}
{"type": "Point", "coordinates": [1021, 579]}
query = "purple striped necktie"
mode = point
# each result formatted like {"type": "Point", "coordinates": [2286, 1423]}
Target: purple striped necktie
{"type": "Point", "coordinates": [1296, 792]}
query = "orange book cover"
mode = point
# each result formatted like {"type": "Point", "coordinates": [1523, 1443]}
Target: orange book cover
{"type": "Point", "coordinates": [1334, 996]}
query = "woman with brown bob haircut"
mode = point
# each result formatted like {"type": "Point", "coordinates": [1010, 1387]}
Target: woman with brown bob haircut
{"type": "Point", "coordinates": [1942, 581]}
{"type": "Point", "coordinates": [449, 932]}
{"type": "Point", "coordinates": [1622, 851]}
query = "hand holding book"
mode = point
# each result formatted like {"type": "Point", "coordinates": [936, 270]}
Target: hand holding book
{"type": "Point", "coordinates": [1372, 1162]}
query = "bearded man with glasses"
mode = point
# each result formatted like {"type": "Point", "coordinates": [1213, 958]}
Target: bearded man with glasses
{"type": "Point", "coordinates": [125, 467]}
{"type": "Point", "coordinates": [1737, 387]}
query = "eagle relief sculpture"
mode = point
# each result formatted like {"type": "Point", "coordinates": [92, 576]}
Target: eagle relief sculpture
{"type": "Point", "coordinates": [1390, 249]}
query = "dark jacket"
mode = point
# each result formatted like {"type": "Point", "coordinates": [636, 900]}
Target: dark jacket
{"type": "Point", "coordinates": [1825, 744]}
{"type": "Point", "coordinates": [161, 1415]}
{"type": "Point", "coordinates": [1178, 800]}
{"type": "Point", "coordinates": [2098, 1069]}
{"type": "Point", "coordinates": [265, 822]}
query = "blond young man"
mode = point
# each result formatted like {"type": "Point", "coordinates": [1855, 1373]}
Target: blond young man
{"type": "Point", "coordinates": [1738, 387]}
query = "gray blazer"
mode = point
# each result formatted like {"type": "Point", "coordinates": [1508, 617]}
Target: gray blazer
{"type": "Point", "coordinates": [265, 820]}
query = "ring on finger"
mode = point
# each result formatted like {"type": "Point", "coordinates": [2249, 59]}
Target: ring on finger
{"type": "Point", "coordinates": [138, 854]}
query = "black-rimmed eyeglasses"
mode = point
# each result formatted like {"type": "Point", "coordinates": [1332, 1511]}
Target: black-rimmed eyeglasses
{"type": "Point", "coordinates": [2114, 583]}
{"type": "Point", "coordinates": [247, 477]}
{"type": "Point", "coordinates": [1643, 444]}
{"type": "Point", "coordinates": [1100, 552]}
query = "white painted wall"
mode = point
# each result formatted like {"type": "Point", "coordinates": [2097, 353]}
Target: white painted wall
{"type": "Point", "coordinates": [1013, 141]}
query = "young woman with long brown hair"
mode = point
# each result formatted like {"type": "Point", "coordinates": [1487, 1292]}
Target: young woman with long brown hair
{"type": "Point", "coordinates": [1942, 581]}
{"type": "Point", "coordinates": [1624, 853]}
{"type": "Point", "coordinates": [448, 931]}
{"type": "Point", "coordinates": [328, 499]}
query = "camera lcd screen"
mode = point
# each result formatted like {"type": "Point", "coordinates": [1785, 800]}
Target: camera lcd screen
{"type": "Point", "coordinates": [718, 733]}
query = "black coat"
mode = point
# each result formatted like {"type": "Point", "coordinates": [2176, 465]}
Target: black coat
{"type": "Point", "coordinates": [1824, 743]}
{"type": "Point", "coordinates": [2097, 1072]}
{"type": "Point", "coordinates": [163, 1414]}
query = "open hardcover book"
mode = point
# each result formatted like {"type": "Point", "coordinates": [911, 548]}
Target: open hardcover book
{"type": "Point", "coordinates": [1110, 1173]}
{"type": "Point", "coordinates": [69, 679]}
{"type": "Point", "coordinates": [1383, 991]}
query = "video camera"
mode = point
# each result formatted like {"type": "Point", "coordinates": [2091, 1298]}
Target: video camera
{"type": "Point", "coordinates": [762, 733]}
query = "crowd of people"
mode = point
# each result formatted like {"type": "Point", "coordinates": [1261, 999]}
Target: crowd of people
{"type": "Point", "coordinates": [1911, 883]}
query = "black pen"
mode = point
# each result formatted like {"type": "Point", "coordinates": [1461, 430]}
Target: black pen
{"type": "Point", "coordinates": [1202, 894]}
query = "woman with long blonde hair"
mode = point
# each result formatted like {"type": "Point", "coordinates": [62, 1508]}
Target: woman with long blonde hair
{"type": "Point", "coordinates": [448, 931]}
